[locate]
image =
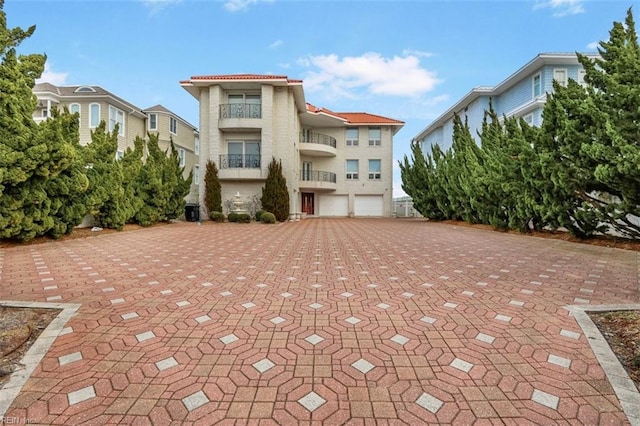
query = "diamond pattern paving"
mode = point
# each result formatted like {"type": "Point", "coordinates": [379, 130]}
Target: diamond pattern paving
{"type": "Point", "coordinates": [312, 401]}
{"type": "Point", "coordinates": [323, 321]}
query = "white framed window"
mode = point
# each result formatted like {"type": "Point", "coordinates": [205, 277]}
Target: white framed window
{"type": "Point", "coordinates": [45, 113]}
{"type": "Point", "coordinates": [196, 175]}
{"type": "Point", "coordinates": [196, 145]}
{"type": "Point", "coordinates": [560, 75]}
{"type": "Point", "coordinates": [74, 107]}
{"type": "Point", "coordinates": [581, 74]}
{"type": "Point", "coordinates": [242, 155]}
{"type": "Point", "coordinates": [243, 105]}
{"type": "Point", "coordinates": [94, 115]}
{"type": "Point", "coordinates": [375, 169]}
{"type": "Point", "coordinates": [375, 136]}
{"type": "Point", "coordinates": [119, 154]}
{"type": "Point", "coordinates": [352, 169]}
{"type": "Point", "coordinates": [529, 119]}
{"type": "Point", "coordinates": [351, 136]}
{"type": "Point", "coordinates": [173, 125]}
{"type": "Point", "coordinates": [182, 155]}
{"type": "Point", "coordinates": [153, 121]}
{"type": "Point", "coordinates": [537, 85]}
{"type": "Point", "coordinates": [116, 116]}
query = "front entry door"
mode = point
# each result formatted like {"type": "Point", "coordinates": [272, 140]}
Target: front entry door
{"type": "Point", "coordinates": [307, 203]}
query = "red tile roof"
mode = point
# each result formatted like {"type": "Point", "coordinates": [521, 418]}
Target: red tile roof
{"type": "Point", "coordinates": [242, 77]}
{"type": "Point", "coordinates": [365, 117]}
{"type": "Point", "coordinates": [355, 117]}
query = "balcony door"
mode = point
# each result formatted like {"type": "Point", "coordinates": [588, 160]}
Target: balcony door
{"type": "Point", "coordinates": [244, 106]}
{"type": "Point", "coordinates": [307, 170]}
{"type": "Point", "coordinates": [307, 203]}
{"type": "Point", "coordinates": [243, 154]}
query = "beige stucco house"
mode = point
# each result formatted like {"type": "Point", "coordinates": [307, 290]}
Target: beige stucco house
{"type": "Point", "coordinates": [335, 163]}
{"type": "Point", "coordinates": [95, 104]}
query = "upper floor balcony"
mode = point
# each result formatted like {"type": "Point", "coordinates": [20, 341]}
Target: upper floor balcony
{"type": "Point", "coordinates": [241, 167]}
{"type": "Point", "coordinates": [317, 145]}
{"type": "Point", "coordinates": [240, 116]}
{"type": "Point", "coordinates": [317, 180]}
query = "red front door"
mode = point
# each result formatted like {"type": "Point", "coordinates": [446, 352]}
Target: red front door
{"type": "Point", "coordinates": [307, 202]}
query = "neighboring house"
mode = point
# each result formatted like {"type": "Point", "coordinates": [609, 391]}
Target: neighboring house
{"type": "Point", "coordinates": [523, 94]}
{"type": "Point", "coordinates": [335, 164]}
{"type": "Point", "coordinates": [95, 104]}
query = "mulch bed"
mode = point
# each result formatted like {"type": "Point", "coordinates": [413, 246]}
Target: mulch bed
{"type": "Point", "coordinates": [19, 329]}
{"type": "Point", "coordinates": [621, 329]}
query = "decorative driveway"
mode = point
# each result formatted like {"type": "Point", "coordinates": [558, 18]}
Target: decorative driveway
{"type": "Point", "coordinates": [325, 321]}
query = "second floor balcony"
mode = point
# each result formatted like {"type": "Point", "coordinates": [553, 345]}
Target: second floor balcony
{"type": "Point", "coordinates": [317, 145]}
{"type": "Point", "coordinates": [317, 180]}
{"type": "Point", "coordinates": [240, 116]}
{"type": "Point", "coordinates": [241, 167]}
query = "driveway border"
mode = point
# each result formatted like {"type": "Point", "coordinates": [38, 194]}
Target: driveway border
{"type": "Point", "coordinates": [623, 386]}
{"type": "Point", "coordinates": [34, 355]}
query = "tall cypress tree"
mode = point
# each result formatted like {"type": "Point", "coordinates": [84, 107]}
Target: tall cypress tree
{"type": "Point", "coordinates": [212, 189]}
{"type": "Point", "coordinates": [174, 183]}
{"type": "Point", "coordinates": [107, 196]}
{"type": "Point", "coordinates": [275, 194]}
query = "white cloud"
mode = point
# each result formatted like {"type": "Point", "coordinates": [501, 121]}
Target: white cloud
{"type": "Point", "coordinates": [561, 8]}
{"type": "Point", "coordinates": [276, 44]}
{"type": "Point", "coordinates": [377, 75]}
{"type": "Point", "coordinates": [418, 53]}
{"type": "Point", "coordinates": [242, 5]}
{"type": "Point", "coordinates": [50, 76]}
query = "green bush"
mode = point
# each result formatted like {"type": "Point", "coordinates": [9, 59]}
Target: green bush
{"type": "Point", "coordinates": [259, 213]}
{"type": "Point", "coordinates": [244, 218]}
{"type": "Point", "coordinates": [267, 217]}
{"type": "Point", "coordinates": [216, 217]}
{"type": "Point", "coordinates": [233, 216]}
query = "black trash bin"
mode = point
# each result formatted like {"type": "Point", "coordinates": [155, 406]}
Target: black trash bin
{"type": "Point", "coordinates": [192, 212]}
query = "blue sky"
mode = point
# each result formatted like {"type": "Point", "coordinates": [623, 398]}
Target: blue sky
{"type": "Point", "coordinates": [408, 60]}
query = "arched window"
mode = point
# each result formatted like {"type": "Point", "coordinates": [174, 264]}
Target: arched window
{"type": "Point", "coordinates": [94, 115]}
{"type": "Point", "coordinates": [75, 108]}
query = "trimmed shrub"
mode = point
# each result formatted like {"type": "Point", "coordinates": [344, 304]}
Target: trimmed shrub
{"type": "Point", "coordinates": [267, 217]}
{"type": "Point", "coordinates": [243, 218]}
{"type": "Point", "coordinates": [233, 216]}
{"type": "Point", "coordinates": [217, 217]}
{"type": "Point", "coordinates": [259, 213]}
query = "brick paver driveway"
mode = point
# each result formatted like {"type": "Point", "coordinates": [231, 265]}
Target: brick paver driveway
{"type": "Point", "coordinates": [331, 321]}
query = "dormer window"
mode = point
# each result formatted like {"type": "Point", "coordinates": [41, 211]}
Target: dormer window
{"type": "Point", "coordinates": [85, 89]}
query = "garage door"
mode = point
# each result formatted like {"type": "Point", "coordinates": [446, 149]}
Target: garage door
{"type": "Point", "coordinates": [334, 205]}
{"type": "Point", "coordinates": [368, 205]}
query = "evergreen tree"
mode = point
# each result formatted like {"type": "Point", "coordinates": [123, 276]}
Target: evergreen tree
{"type": "Point", "coordinates": [149, 185]}
{"type": "Point", "coordinates": [212, 189]}
{"type": "Point", "coordinates": [131, 168]}
{"type": "Point", "coordinates": [107, 195]}
{"type": "Point", "coordinates": [67, 183]}
{"type": "Point", "coordinates": [41, 174]}
{"type": "Point", "coordinates": [275, 194]}
{"type": "Point", "coordinates": [176, 186]}
{"type": "Point", "coordinates": [418, 181]}
{"type": "Point", "coordinates": [464, 170]}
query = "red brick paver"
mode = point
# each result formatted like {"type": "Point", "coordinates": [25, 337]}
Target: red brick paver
{"type": "Point", "coordinates": [328, 321]}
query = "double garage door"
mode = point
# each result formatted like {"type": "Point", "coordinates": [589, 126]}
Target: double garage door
{"type": "Point", "coordinates": [363, 205]}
